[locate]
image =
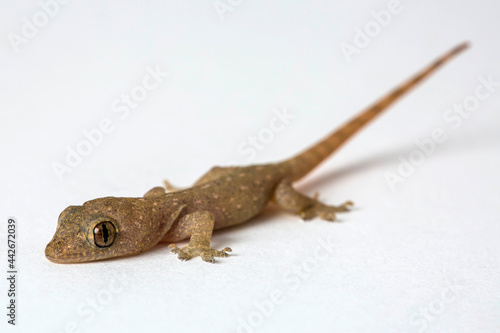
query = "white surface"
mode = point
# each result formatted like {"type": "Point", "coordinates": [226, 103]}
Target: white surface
{"type": "Point", "coordinates": [391, 261]}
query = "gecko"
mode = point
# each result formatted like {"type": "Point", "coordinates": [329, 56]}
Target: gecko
{"type": "Point", "coordinates": [225, 196]}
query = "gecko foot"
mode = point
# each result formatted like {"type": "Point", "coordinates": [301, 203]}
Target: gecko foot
{"type": "Point", "coordinates": [206, 253]}
{"type": "Point", "coordinates": [325, 212]}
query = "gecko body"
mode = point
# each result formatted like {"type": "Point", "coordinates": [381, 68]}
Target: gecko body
{"type": "Point", "coordinates": [110, 227]}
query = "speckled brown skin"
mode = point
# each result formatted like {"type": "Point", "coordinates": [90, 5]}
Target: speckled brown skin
{"type": "Point", "coordinates": [225, 196]}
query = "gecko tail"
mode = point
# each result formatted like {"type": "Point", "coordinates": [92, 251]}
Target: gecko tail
{"type": "Point", "coordinates": [309, 159]}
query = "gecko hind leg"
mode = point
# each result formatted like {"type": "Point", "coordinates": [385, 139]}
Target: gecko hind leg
{"type": "Point", "coordinates": [307, 208]}
{"type": "Point", "coordinates": [169, 187]}
{"type": "Point", "coordinates": [202, 223]}
{"type": "Point", "coordinates": [159, 191]}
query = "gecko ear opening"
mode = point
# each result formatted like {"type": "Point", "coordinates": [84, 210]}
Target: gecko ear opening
{"type": "Point", "coordinates": [104, 234]}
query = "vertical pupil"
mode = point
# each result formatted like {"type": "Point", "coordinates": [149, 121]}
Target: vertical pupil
{"type": "Point", "coordinates": [105, 233]}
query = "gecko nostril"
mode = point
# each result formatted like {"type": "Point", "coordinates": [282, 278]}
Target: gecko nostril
{"type": "Point", "coordinates": [53, 249]}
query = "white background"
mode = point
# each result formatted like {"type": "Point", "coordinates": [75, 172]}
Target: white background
{"type": "Point", "coordinates": [424, 257]}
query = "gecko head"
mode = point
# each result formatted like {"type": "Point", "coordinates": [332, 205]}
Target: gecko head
{"type": "Point", "coordinates": [105, 228]}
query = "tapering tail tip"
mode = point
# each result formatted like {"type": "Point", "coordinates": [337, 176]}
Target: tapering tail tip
{"type": "Point", "coordinates": [461, 47]}
{"type": "Point", "coordinates": [304, 162]}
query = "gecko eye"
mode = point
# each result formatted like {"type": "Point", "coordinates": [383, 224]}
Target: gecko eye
{"type": "Point", "coordinates": [104, 234]}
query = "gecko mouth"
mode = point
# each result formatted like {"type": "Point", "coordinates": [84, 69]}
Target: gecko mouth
{"type": "Point", "coordinates": [58, 251]}
{"type": "Point", "coordinates": [62, 260]}
{"type": "Point", "coordinates": [58, 260]}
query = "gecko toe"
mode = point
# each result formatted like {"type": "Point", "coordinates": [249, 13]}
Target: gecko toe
{"type": "Point", "coordinates": [345, 207]}
{"type": "Point", "coordinates": [183, 254]}
{"type": "Point", "coordinates": [175, 249]}
{"type": "Point", "coordinates": [209, 255]}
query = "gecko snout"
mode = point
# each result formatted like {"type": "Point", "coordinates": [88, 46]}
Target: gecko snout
{"type": "Point", "coordinates": [57, 251]}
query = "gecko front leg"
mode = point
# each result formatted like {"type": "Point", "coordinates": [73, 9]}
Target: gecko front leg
{"type": "Point", "coordinates": [307, 208]}
{"type": "Point", "coordinates": [202, 225]}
